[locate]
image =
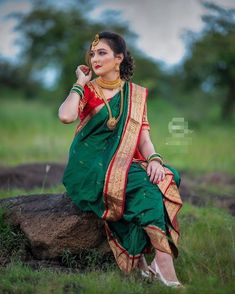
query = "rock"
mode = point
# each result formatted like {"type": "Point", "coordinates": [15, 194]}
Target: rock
{"type": "Point", "coordinates": [52, 224]}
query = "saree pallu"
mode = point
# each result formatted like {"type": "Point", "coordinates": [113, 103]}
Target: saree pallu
{"type": "Point", "coordinates": [103, 176]}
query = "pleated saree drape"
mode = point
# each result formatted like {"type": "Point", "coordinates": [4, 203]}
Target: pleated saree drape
{"type": "Point", "coordinates": [102, 176]}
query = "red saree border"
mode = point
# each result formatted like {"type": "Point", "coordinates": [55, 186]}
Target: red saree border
{"type": "Point", "coordinates": [128, 262]}
{"type": "Point", "coordinates": [112, 162]}
{"type": "Point", "coordinates": [158, 239]}
{"type": "Point", "coordinates": [172, 202]}
{"type": "Point", "coordinates": [82, 124]}
{"type": "Point", "coordinates": [125, 261]}
{"type": "Point", "coordinates": [116, 176]}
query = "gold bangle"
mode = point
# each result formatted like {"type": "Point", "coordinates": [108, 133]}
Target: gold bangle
{"type": "Point", "coordinates": [157, 159]}
{"type": "Point", "coordinates": [154, 155]}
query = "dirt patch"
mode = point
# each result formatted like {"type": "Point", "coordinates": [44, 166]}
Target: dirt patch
{"type": "Point", "coordinates": [29, 176]}
{"type": "Point", "coordinates": [214, 188]}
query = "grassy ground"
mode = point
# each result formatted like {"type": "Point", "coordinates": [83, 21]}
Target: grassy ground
{"type": "Point", "coordinates": [205, 264]}
{"type": "Point", "coordinates": [31, 132]}
{"type": "Point", "coordinates": [203, 147]}
{"type": "Point", "coordinates": [15, 192]}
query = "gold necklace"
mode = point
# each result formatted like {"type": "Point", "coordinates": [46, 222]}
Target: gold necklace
{"type": "Point", "coordinates": [109, 84]}
{"type": "Point", "coordinates": [112, 121]}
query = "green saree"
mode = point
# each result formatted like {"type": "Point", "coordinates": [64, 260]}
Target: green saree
{"type": "Point", "coordinates": [102, 176]}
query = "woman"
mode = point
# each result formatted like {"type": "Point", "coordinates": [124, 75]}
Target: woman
{"type": "Point", "coordinates": [113, 168]}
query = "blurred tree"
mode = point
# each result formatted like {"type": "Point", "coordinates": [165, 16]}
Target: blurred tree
{"type": "Point", "coordinates": [58, 39]}
{"type": "Point", "coordinates": [15, 77]}
{"type": "Point", "coordinates": [210, 62]}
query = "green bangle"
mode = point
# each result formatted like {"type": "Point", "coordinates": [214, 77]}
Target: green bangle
{"type": "Point", "coordinates": [78, 89]}
{"type": "Point", "coordinates": [78, 92]}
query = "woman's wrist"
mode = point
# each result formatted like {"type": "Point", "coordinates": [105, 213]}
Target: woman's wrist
{"type": "Point", "coordinates": [79, 89]}
{"type": "Point", "coordinates": [158, 160]}
{"type": "Point", "coordinates": [81, 83]}
{"type": "Point", "coordinates": [155, 157]}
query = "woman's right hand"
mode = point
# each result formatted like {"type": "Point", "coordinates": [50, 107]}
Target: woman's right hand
{"type": "Point", "coordinates": [83, 74]}
{"type": "Point", "coordinates": [155, 171]}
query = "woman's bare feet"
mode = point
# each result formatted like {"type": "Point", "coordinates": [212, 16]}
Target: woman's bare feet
{"type": "Point", "coordinates": [166, 266]}
{"type": "Point", "coordinates": [163, 269]}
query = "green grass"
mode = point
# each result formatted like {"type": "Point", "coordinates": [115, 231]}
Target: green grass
{"type": "Point", "coordinates": [31, 131]}
{"type": "Point", "coordinates": [217, 189]}
{"type": "Point", "coordinates": [205, 264]}
{"type": "Point", "coordinates": [17, 191]}
{"type": "Point", "coordinates": [207, 147]}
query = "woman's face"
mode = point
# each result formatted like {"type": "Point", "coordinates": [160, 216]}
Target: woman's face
{"type": "Point", "coordinates": [103, 60]}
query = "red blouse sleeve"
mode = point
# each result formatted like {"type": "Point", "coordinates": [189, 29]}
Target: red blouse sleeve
{"type": "Point", "coordinates": [83, 101]}
{"type": "Point", "coordinates": [145, 122]}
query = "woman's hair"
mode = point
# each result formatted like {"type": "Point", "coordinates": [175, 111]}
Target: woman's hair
{"type": "Point", "coordinates": [118, 45]}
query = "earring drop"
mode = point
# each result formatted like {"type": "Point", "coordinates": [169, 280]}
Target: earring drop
{"type": "Point", "coordinates": [117, 67]}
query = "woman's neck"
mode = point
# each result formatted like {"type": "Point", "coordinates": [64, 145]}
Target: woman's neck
{"type": "Point", "coordinates": [110, 76]}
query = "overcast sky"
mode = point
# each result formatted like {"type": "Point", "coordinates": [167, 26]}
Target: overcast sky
{"type": "Point", "coordinates": [158, 23]}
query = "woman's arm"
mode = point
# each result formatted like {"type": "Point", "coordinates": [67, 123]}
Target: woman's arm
{"type": "Point", "coordinates": [154, 169]}
{"type": "Point", "coordinates": [145, 144]}
{"type": "Point", "coordinates": [68, 111]}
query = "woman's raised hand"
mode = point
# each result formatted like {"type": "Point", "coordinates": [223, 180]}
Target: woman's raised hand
{"type": "Point", "coordinates": [155, 171]}
{"type": "Point", "coordinates": [83, 74]}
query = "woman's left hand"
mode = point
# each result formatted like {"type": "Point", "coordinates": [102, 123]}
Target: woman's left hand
{"type": "Point", "coordinates": [155, 171]}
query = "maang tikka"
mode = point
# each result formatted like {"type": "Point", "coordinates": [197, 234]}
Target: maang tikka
{"type": "Point", "coordinates": [96, 41]}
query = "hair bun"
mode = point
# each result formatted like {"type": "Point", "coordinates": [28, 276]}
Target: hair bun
{"type": "Point", "coordinates": [127, 67]}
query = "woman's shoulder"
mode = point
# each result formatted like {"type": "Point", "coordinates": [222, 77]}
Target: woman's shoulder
{"type": "Point", "coordinates": [138, 86]}
{"type": "Point", "coordinates": [88, 85]}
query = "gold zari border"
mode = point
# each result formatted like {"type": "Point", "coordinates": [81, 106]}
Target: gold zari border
{"type": "Point", "coordinates": [115, 180]}
{"type": "Point", "coordinates": [125, 261]}
{"type": "Point", "coordinates": [172, 202]}
{"type": "Point", "coordinates": [158, 238]}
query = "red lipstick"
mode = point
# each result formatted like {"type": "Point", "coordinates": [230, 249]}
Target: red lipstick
{"type": "Point", "coordinates": [97, 66]}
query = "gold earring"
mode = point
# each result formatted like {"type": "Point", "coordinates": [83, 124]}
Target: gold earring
{"type": "Point", "coordinates": [117, 67]}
